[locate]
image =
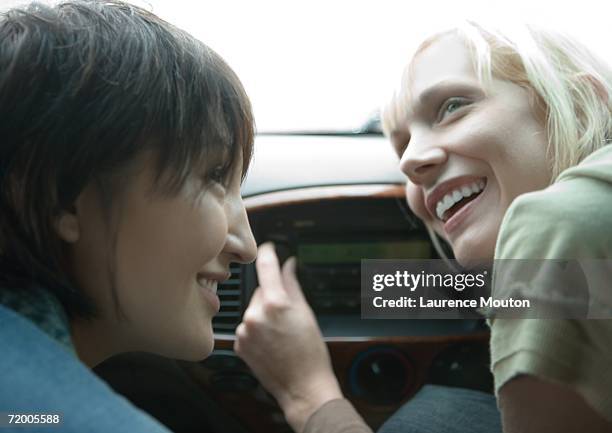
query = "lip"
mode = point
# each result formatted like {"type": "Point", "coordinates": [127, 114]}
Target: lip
{"type": "Point", "coordinates": [211, 297]}
{"type": "Point", "coordinates": [438, 193]}
{"type": "Point", "coordinates": [219, 277]}
{"type": "Point", "coordinates": [454, 221]}
{"type": "Point", "coordinates": [211, 294]}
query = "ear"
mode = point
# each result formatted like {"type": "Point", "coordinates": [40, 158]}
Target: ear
{"type": "Point", "coordinates": [67, 225]}
{"type": "Point", "coordinates": [597, 85]}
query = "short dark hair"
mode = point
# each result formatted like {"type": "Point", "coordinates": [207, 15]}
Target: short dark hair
{"type": "Point", "coordinates": [85, 87]}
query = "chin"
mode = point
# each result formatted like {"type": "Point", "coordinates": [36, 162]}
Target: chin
{"type": "Point", "coordinates": [476, 245]}
{"type": "Point", "coordinates": [201, 348]}
{"type": "Point", "coordinates": [474, 255]}
{"type": "Point", "coordinates": [474, 262]}
{"type": "Point", "coordinates": [195, 347]}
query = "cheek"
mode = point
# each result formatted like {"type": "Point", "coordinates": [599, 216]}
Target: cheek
{"type": "Point", "coordinates": [213, 227]}
{"type": "Point", "coordinates": [162, 247]}
{"type": "Point", "coordinates": [520, 163]}
{"type": "Point", "coordinates": [416, 201]}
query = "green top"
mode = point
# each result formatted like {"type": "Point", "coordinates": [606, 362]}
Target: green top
{"type": "Point", "coordinates": [568, 220]}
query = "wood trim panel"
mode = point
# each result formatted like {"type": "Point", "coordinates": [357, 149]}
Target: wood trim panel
{"type": "Point", "coordinates": [258, 412]}
{"type": "Point", "coordinates": [269, 200]}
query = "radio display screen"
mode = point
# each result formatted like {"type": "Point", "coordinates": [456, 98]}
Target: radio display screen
{"type": "Point", "coordinates": [354, 252]}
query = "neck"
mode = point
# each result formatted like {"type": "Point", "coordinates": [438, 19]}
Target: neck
{"type": "Point", "coordinates": [92, 342]}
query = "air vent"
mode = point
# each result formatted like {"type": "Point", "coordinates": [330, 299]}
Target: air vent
{"type": "Point", "coordinates": [230, 294]}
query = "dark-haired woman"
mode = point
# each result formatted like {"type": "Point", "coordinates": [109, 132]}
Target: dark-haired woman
{"type": "Point", "coordinates": [124, 143]}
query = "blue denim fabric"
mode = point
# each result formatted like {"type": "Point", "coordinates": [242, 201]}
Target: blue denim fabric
{"type": "Point", "coordinates": [40, 375]}
{"type": "Point", "coordinates": [441, 409]}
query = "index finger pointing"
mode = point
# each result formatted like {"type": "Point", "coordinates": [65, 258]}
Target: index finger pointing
{"type": "Point", "coordinates": [268, 270]}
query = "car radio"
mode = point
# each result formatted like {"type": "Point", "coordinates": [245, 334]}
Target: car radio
{"type": "Point", "coordinates": [329, 238]}
{"type": "Point", "coordinates": [329, 272]}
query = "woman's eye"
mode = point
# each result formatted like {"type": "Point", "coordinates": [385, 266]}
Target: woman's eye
{"type": "Point", "coordinates": [450, 106]}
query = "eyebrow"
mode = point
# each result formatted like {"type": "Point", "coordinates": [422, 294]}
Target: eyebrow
{"type": "Point", "coordinates": [432, 92]}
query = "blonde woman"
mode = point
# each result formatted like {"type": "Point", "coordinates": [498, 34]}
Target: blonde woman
{"type": "Point", "coordinates": [525, 114]}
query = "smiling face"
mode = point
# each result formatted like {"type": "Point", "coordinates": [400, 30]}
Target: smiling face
{"type": "Point", "coordinates": [169, 256]}
{"type": "Point", "coordinates": [467, 150]}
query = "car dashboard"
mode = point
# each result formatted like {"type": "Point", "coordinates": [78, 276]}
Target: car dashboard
{"type": "Point", "coordinates": [330, 201]}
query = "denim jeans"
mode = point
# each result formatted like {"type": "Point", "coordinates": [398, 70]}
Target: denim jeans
{"type": "Point", "coordinates": [441, 409]}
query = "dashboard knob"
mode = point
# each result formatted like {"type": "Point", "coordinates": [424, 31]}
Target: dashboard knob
{"type": "Point", "coordinates": [382, 376]}
{"type": "Point", "coordinates": [464, 365]}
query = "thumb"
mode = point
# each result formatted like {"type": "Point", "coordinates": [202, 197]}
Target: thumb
{"type": "Point", "coordinates": [291, 283]}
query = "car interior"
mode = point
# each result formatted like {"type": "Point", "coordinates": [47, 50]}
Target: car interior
{"type": "Point", "coordinates": [324, 185]}
{"type": "Point", "coordinates": [330, 199]}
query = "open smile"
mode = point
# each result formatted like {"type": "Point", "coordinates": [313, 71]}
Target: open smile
{"type": "Point", "coordinates": [454, 200]}
{"type": "Point", "coordinates": [208, 288]}
{"type": "Point", "coordinates": [449, 197]}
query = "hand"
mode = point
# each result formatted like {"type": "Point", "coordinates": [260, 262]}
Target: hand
{"type": "Point", "coordinates": [281, 342]}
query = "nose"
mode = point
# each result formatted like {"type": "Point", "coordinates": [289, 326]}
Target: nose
{"type": "Point", "coordinates": [422, 161]}
{"type": "Point", "coordinates": [240, 243]}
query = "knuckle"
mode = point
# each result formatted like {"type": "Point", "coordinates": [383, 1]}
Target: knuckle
{"type": "Point", "coordinates": [249, 321]}
{"type": "Point", "coordinates": [275, 305]}
{"type": "Point", "coordinates": [241, 332]}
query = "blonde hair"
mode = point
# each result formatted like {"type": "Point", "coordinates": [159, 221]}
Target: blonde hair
{"type": "Point", "coordinates": [570, 86]}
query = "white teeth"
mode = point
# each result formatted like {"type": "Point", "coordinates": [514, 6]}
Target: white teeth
{"type": "Point", "coordinates": [207, 284]}
{"type": "Point", "coordinates": [457, 195]}
{"type": "Point", "coordinates": [448, 201]}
